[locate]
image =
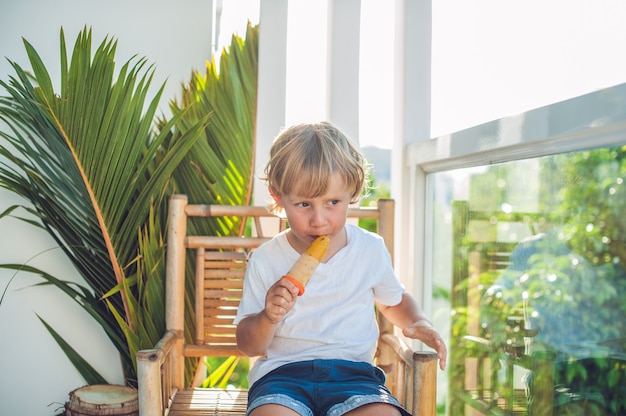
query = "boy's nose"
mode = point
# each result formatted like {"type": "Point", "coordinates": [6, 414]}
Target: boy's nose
{"type": "Point", "coordinates": [317, 218]}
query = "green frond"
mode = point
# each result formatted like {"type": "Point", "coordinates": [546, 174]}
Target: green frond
{"type": "Point", "coordinates": [85, 369]}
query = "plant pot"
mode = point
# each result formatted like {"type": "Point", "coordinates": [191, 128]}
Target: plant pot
{"type": "Point", "coordinates": [103, 399]}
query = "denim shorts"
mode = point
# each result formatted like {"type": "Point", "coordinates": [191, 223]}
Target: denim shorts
{"type": "Point", "coordinates": [322, 387]}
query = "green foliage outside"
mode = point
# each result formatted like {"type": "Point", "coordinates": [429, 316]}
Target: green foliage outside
{"type": "Point", "coordinates": [572, 286]}
{"type": "Point", "coordinates": [225, 372]}
{"type": "Point", "coordinates": [377, 191]}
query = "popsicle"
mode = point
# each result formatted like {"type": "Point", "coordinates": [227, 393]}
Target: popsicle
{"type": "Point", "coordinates": [303, 268]}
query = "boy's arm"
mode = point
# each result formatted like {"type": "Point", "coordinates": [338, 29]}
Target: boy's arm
{"type": "Point", "coordinates": [414, 323]}
{"type": "Point", "coordinates": [255, 332]}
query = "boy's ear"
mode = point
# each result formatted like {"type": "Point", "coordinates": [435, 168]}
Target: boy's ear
{"type": "Point", "coordinates": [276, 197]}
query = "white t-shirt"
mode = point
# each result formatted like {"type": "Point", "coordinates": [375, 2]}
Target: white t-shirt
{"type": "Point", "coordinates": [335, 318]}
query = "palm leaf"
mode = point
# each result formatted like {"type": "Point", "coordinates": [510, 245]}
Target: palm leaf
{"type": "Point", "coordinates": [219, 169]}
{"type": "Point", "coordinates": [220, 376]}
{"type": "Point", "coordinates": [84, 368]}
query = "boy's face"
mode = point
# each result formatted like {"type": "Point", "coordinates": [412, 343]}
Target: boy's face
{"type": "Point", "coordinates": [310, 218]}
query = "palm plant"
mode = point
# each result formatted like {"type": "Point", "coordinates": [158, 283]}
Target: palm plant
{"type": "Point", "coordinates": [97, 174]}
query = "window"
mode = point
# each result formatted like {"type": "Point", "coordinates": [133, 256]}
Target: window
{"type": "Point", "coordinates": [528, 258]}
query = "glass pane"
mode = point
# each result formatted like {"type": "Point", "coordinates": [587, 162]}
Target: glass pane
{"type": "Point", "coordinates": [529, 280]}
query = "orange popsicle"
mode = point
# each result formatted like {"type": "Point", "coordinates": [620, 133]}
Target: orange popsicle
{"type": "Point", "coordinates": [303, 269]}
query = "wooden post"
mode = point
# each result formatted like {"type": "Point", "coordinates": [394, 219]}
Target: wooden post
{"type": "Point", "coordinates": [175, 284]}
{"type": "Point", "coordinates": [425, 384]}
{"type": "Point", "coordinates": [153, 376]}
{"type": "Point", "coordinates": [149, 383]}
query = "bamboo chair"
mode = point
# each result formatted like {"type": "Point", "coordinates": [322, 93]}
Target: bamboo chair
{"type": "Point", "coordinates": [219, 272]}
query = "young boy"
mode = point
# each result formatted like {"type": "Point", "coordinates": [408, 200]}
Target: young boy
{"type": "Point", "coordinates": [316, 350]}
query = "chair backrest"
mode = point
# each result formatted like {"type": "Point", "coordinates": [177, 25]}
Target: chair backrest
{"type": "Point", "coordinates": [220, 264]}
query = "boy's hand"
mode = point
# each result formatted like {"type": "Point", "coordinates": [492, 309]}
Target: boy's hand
{"type": "Point", "coordinates": [425, 332]}
{"type": "Point", "coordinates": [280, 299]}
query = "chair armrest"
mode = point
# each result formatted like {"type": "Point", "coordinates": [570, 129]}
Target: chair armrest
{"type": "Point", "coordinates": [155, 388]}
{"type": "Point", "coordinates": [412, 376]}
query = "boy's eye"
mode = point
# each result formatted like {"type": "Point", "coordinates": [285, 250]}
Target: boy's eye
{"type": "Point", "coordinates": [303, 204]}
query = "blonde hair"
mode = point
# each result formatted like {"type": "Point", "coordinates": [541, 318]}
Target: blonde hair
{"type": "Point", "coordinates": [309, 155]}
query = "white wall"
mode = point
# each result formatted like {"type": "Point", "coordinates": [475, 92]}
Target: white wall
{"type": "Point", "coordinates": [35, 376]}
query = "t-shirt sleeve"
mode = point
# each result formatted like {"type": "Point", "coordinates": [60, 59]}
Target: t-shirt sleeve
{"type": "Point", "coordinates": [388, 289]}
